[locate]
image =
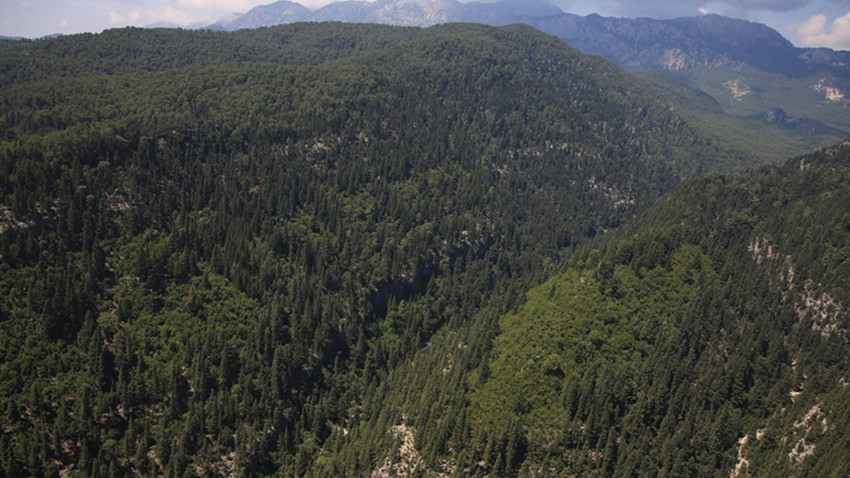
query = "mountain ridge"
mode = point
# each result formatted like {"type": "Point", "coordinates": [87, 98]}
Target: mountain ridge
{"type": "Point", "coordinates": [748, 68]}
{"type": "Point", "coordinates": [729, 31]}
{"type": "Point", "coordinates": [420, 13]}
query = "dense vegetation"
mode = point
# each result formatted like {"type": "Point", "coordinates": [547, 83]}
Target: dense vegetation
{"type": "Point", "coordinates": [216, 247]}
{"type": "Point", "coordinates": [710, 334]}
{"type": "Point", "coordinates": [708, 337]}
{"type": "Point", "coordinates": [284, 251]}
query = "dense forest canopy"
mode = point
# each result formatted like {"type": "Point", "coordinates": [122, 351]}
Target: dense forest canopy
{"type": "Point", "coordinates": [707, 337]}
{"type": "Point", "coordinates": [284, 250]}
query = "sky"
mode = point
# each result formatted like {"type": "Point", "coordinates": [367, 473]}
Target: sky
{"type": "Point", "coordinates": [804, 22]}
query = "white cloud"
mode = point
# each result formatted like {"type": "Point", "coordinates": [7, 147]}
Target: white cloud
{"type": "Point", "coordinates": [703, 11]}
{"type": "Point", "coordinates": [127, 18]}
{"type": "Point", "coordinates": [168, 15]}
{"type": "Point", "coordinates": [235, 5]}
{"type": "Point", "coordinates": [771, 5]}
{"type": "Point", "coordinates": [816, 31]}
{"type": "Point", "coordinates": [178, 12]}
{"type": "Point", "coordinates": [670, 9]}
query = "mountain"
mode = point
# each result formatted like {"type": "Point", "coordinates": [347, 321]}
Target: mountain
{"type": "Point", "coordinates": [218, 250]}
{"type": "Point", "coordinates": [329, 249]}
{"type": "Point", "coordinates": [640, 44]}
{"type": "Point", "coordinates": [263, 16]}
{"type": "Point", "coordinates": [706, 41]}
{"type": "Point", "coordinates": [748, 68]}
{"type": "Point", "coordinates": [393, 12]}
{"type": "Point", "coordinates": [678, 44]}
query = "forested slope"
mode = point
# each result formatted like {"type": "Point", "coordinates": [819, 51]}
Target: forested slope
{"type": "Point", "coordinates": [707, 338]}
{"type": "Point", "coordinates": [221, 250]}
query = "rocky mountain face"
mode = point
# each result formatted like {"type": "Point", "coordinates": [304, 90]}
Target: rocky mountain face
{"type": "Point", "coordinates": [692, 43]}
{"type": "Point", "coordinates": [265, 15]}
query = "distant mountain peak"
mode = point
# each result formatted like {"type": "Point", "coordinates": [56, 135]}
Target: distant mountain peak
{"type": "Point", "coordinates": [277, 13]}
{"type": "Point", "coordinates": [394, 12]}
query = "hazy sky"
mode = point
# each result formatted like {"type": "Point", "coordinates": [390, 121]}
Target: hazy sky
{"type": "Point", "coordinates": [804, 22]}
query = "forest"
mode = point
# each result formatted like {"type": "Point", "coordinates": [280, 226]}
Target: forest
{"type": "Point", "coordinates": [360, 250]}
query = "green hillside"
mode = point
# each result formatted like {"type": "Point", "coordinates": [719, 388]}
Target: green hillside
{"type": "Point", "coordinates": [221, 252]}
{"type": "Point", "coordinates": [707, 338]}
{"type": "Point", "coordinates": [815, 105]}
{"type": "Point", "coordinates": [753, 122]}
